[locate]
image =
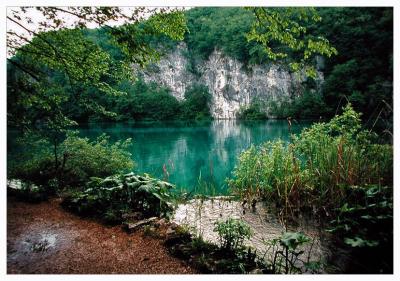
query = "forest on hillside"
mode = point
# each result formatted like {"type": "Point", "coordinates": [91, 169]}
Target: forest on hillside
{"type": "Point", "coordinates": [361, 72]}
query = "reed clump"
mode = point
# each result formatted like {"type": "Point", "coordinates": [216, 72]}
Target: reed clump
{"type": "Point", "coordinates": [318, 169]}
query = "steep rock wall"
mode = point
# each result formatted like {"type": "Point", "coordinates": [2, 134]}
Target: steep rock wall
{"type": "Point", "coordinates": [230, 85]}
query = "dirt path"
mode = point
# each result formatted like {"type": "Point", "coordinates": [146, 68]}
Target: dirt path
{"type": "Point", "coordinates": [44, 238]}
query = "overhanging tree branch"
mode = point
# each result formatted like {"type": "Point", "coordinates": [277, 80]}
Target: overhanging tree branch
{"type": "Point", "coordinates": [24, 69]}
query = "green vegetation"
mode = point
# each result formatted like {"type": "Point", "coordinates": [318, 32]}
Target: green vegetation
{"type": "Point", "coordinates": [208, 30]}
{"type": "Point", "coordinates": [339, 170]}
{"type": "Point", "coordinates": [146, 102]}
{"type": "Point", "coordinates": [357, 74]}
{"type": "Point", "coordinates": [257, 35]}
{"type": "Point", "coordinates": [252, 112]}
{"type": "Point", "coordinates": [309, 105]}
{"type": "Point", "coordinates": [335, 168]}
{"type": "Point", "coordinates": [114, 197]}
{"type": "Point", "coordinates": [197, 103]}
{"type": "Point", "coordinates": [283, 33]}
{"type": "Point", "coordinates": [210, 258]}
{"type": "Point", "coordinates": [365, 225]}
{"type": "Point", "coordinates": [77, 65]}
{"type": "Point", "coordinates": [152, 102]}
{"type": "Point", "coordinates": [232, 233]}
{"type": "Point", "coordinates": [74, 162]}
{"type": "Point", "coordinates": [362, 72]}
{"type": "Point", "coordinates": [362, 78]}
{"type": "Point", "coordinates": [317, 167]}
{"type": "Point", "coordinates": [366, 219]}
{"type": "Point", "coordinates": [285, 253]}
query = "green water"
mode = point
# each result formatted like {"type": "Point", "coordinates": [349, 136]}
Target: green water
{"type": "Point", "coordinates": [196, 157]}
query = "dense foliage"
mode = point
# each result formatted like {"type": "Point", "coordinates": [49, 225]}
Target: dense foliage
{"type": "Point", "coordinates": [309, 105]}
{"type": "Point", "coordinates": [361, 71]}
{"type": "Point", "coordinates": [365, 225]}
{"type": "Point", "coordinates": [208, 30]}
{"type": "Point", "coordinates": [286, 254]}
{"type": "Point", "coordinates": [232, 233]}
{"type": "Point", "coordinates": [64, 67]}
{"type": "Point", "coordinates": [252, 112]}
{"type": "Point", "coordinates": [317, 167]}
{"type": "Point", "coordinates": [148, 101]}
{"type": "Point", "coordinates": [283, 34]}
{"type": "Point", "coordinates": [197, 103]}
{"type": "Point", "coordinates": [335, 168]}
{"type": "Point", "coordinates": [145, 101]}
{"type": "Point", "coordinates": [74, 162]}
{"type": "Point", "coordinates": [116, 197]}
{"type": "Point", "coordinates": [257, 35]}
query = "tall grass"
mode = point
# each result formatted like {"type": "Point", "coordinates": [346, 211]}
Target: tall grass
{"type": "Point", "coordinates": [317, 168]}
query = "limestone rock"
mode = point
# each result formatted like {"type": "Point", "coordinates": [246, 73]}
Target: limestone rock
{"type": "Point", "coordinates": [230, 85]}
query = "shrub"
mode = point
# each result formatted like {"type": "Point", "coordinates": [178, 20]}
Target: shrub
{"type": "Point", "coordinates": [78, 159]}
{"type": "Point", "coordinates": [114, 196]}
{"type": "Point", "coordinates": [98, 158]}
{"type": "Point", "coordinates": [366, 227]}
{"type": "Point", "coordinates": [308, 105]}
{"type": "Point", "coordinates": [31, 160]}
{"type": "Point", "coordinates": [232, 233]}
{"type": "Point", "coordinates": [336, 168]}
{"type": "Point", "coordinates": [317, 167]}
{"type": "Point", "coordinates": [284, 254]}
{"type": "Point", "coordinates": [196, 104]}
{"type": "Point", "coordinates": [252, 112]}
{"type": "Point", "coordinates": [152, 102]}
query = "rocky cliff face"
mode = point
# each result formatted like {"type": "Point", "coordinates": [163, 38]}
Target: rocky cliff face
{"type": "Point", "coordinates": [230, 85]}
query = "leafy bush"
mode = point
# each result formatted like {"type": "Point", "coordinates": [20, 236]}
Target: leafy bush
{"type": "Point", "coordinates": [336, 168]}
{"type": "Point", "coordinates": [284, 254]}
{"type": "Point", "coordinates": [146, 101]}
{"type": "Point", "coordinates": [98, 158]}
{"type": "Point", "coordinates": [364, 77]}
{"type": "Point", "coordinates": [317, 167]}
{"type": "Point", "coordinates": [232, 233]}
{"type": "Point", "coordinates": [309, 105]}
{"type": "Point", "coordinates": [76, 161]}
{"type": "Point", "coordinates": [197, 103]}
{"type": "Point", "coordinates": [251, 112]}
{"type": "Point", "coordinates": [280, 108]}
{"type": "Point", "coordinates": [114, 196]}
{"type": "Point", "coordinates": [31, 161]}
{"type": "Point", "coordinates": [366, 227]}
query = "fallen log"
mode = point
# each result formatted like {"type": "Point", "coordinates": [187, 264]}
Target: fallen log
{"type": "Point", "coordinates": [130, 227]}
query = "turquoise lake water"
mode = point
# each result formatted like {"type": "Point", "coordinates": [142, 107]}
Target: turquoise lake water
{"type": "Point", "coordinates": [194, 157]}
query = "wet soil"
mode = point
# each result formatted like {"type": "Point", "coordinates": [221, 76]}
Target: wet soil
{"type": "Point", "coordinates": [44, 238]}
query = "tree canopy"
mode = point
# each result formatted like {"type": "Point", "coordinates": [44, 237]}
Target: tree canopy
{"type": "Point", "coordinates": [77, 73]}
{"type": "Point", "coordinates": [52, 50]}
